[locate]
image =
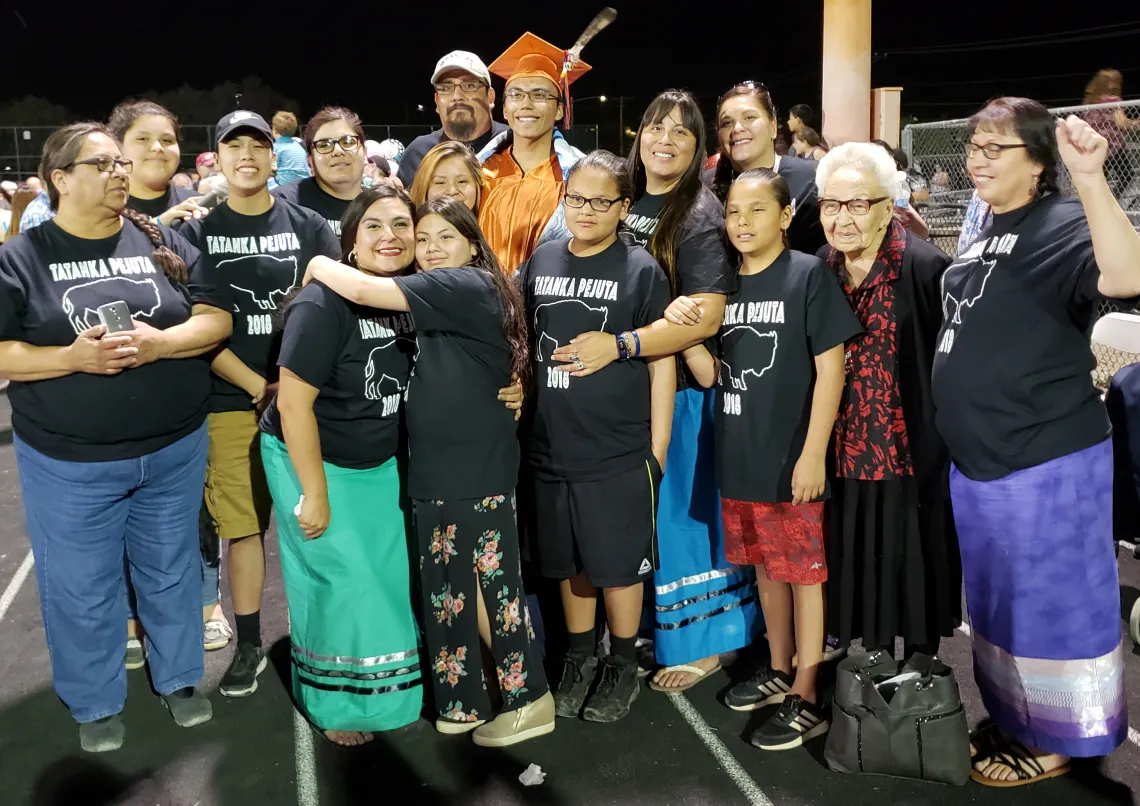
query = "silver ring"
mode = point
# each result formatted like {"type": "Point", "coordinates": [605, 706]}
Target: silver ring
{"type": "Point", "coordinates": [581, 365]}
{"type": "Point", "coordinates": [574, 357]}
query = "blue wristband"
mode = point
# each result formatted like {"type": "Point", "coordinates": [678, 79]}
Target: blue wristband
{"type": "Point", "coordinates": [623, 351]}
{"type": "Point", "coordinates": [637, 344]}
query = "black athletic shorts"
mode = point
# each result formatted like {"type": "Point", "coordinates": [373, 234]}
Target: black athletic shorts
{"type": "Point", "coordinates": [607, 528]}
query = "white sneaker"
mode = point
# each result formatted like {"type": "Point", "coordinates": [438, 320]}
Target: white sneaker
{"type": "Point", "coordinates": [217, 634]}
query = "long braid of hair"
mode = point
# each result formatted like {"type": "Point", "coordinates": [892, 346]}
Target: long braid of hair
{"type": "Point", "coordinates": [172, 266]}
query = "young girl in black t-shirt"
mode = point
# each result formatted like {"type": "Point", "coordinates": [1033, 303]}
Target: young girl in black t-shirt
{"type": "Point", "coordinates": [596, 444]}
{"type": "Point", "coordinates": [779, 378]}
{"type": "Point", "coordinates": [464, 459]}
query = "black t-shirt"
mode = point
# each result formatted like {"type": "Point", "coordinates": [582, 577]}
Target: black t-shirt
{"type": "Point", "coordinates": [463, 440]}
{"type": "Point", "coordinates": [51, 285]}
{"type": "Point", "coordinates": [255, 261]}
{"type": "Point", "coordinates": [702, 263]}
{"type": "Point", "coordinates": [418, 148]}
{"type": "Point", "coordinates": [359, 358]}
{"type": "Point", "coordinates": [774, 326]}
{"type": "Point", "coordinates": [597, 426]}
{"type": "Point", "coordinates": [806, 233]}
{"type": "Point", "coordinates": [1011, 377]}
{"type": "Point", "coordinates": [155, 207]}
{"type": "Point", "coordinates": [308, 194]}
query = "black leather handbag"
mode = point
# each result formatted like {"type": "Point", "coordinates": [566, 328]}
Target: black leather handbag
{"type": "Point", "coordinates": [899, 719]}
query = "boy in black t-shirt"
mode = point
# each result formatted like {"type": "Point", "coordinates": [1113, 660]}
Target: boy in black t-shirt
{"type": "Point", "coordinates": [779, 379]}
{"type": "Point", "coordinates": [254, 252]}
{"type": "Point", "coordinates": [596, 445]}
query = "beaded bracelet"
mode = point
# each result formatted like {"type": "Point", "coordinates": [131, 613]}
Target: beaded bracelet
{"type": "Point", "coordinates": [623, 351]}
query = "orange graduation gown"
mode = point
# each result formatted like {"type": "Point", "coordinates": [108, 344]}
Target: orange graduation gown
{"type": "Point", "coordinates": [518, 206]}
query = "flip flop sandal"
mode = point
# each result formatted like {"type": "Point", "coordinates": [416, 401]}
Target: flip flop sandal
{"type": "Point", "coordinates": [1016, 756]}
{"type": "Point", "coordinates": [699, 672]}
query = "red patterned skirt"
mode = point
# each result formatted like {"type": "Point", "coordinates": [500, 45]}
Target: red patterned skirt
{"type": "Point", "coordinates": [785, 539]}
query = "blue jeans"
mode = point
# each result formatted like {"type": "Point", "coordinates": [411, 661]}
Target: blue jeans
{"type": "Point", "coordinates": [211, 563]}
{"type": "Point", "coordinates": [83, 517]}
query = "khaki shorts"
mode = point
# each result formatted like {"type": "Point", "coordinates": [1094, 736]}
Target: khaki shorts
{"type": "Point", "coordinates": [237, 495]}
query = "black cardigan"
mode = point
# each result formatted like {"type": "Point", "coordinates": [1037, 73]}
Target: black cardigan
{"type": "Point", "coordinates": [918, 318]}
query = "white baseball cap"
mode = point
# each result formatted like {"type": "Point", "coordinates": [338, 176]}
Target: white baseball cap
{"type": "Point", "coordinates": [462, 60]}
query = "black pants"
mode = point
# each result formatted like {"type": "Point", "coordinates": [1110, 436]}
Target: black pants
{"type": "Point", "coordinates": [462, 544]}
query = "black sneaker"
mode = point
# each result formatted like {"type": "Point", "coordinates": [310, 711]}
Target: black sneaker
{"type": "Point", "coordinates": [618, 688]}
{"type": "Point", "coordinates": [796, 722]}
{"type": "Point", "coordinates": [240, 680]}
{"type": "Point", "coordinates": [766, 687]}
{"type": "Point", "coordinates": [577, 676]}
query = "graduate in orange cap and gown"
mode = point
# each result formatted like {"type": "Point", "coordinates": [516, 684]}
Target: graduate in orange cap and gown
{"type": "Point", "coordinates": [526, 167]}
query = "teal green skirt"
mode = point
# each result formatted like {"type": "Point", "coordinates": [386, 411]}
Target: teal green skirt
{"type": "Point", "coordinates": [355, 645]}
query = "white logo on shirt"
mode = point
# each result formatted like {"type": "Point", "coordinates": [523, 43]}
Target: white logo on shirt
{"type": "Point", "coordinates": [81, 302]}
{"type": "Point", "coordinates": [736, 377]}
{"type": "Point", "coordinates": [385, 388]}
{"type": "Point", "coordinates": [270, 287]}
{"type": "Point", "coordinates": [645, 568]}
{"type": "Point", "coordinates": [547, 344]}
{"type": "Point", "coordinates": [961, 276]}
{"type": "Point", "coordinates": [952, 307]}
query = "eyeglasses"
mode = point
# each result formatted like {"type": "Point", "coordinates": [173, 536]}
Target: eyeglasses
{"type": "Point", "coordinates": [856, 207]}
{"type": "Point", "coordinates": [992, 151]}
{"type": "Point", "coordinates": [600, 205]}
{"type": "Point", "coordinates": [538, 96]}
{"type": "Point", "coordinates": [103, 164]}
{"type": "Point", "coordinates": [466, 87]}
{"type": "Point", "coordinates": [350, 142]}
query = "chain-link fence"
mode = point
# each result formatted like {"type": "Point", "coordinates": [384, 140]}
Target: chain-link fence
{"type": "Point", "coordinates": [21, 146]}
{"type": "Point", "coordinates": [937, 154]}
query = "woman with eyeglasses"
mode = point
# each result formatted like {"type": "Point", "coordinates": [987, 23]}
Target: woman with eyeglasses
{"type": "Point", "coordinates": [892, 554]}
{"type": "Point", "coordinates": [101, 327]}
{"type": "Point", "coordinates": [747, 126]}
{"type": "Point", "coordinates": [704, 605]}
{"type": "Point", "coordinates": [449, 170]}
{"type": "Point", "coordinates": [1032, 479]}
{"type": "Point", "coordinates": [334, 140]}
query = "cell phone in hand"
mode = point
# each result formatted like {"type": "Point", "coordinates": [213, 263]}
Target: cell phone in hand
{"type": "Point", "coordinates": [116, 317]}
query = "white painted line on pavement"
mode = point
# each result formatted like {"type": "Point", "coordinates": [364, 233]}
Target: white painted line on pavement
{"type": "Point", "coordinates": [722, 754]}
{"type": "Point", "coordinates": [1134, 736]}
{"type": "Point", "coordinates": [307, 793]}
{"type": "Point", "coordinates": [14, 586]}
{"type": "Point", "coordinates": [1124, 544]}
{"type": "Point", "coordinates": [964, 628]}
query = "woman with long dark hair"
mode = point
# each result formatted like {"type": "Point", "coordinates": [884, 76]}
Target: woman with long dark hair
{"type": "Point", "coordinates": [331, 448]}
{"type": "Point", "coordinates": [1028, 434]}
{"type": "Point", "coordinates": [464, 460]}
{"type": "Point", "coordinates": [704, 605]}
{"type": "Point", "coordinates": [746, 126]}
{"type": "Point", "coordinates": [122, 473]}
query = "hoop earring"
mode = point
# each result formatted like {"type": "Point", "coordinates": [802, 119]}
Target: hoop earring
{"type": "Point", "coordinates": [352, 256]}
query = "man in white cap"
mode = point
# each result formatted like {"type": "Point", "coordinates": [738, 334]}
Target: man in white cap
{"type": "Point", "coordinates": [464, 99]}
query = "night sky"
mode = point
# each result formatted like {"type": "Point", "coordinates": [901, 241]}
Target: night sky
{"type": "Point", "coordinates": [379, 61]}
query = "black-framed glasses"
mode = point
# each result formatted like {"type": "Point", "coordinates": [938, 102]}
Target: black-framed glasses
{"type": "Point", "coordinates": [992, 151]}
{"type": "Point", "coordinates": [326, 145]}
{"type": "Point", "coordinates": [104, 164]}
{"type": "Point", "coordinates": [599, 204]}
{"type": "Point", "coordinates": [445, 88]}
{"type": "Point", "coordinates": [538, 96]}
{"type": "Point", "coordinates": [856, 207]}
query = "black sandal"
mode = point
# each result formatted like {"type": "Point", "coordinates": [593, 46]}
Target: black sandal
{"type": "Point", "coordinates": [1016, 756]}
{"type": "Point", "coordinates": [985, 739]}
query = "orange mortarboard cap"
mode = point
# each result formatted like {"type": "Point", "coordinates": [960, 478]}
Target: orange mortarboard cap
{"type": "Point", "coordinates": [531, 56]}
